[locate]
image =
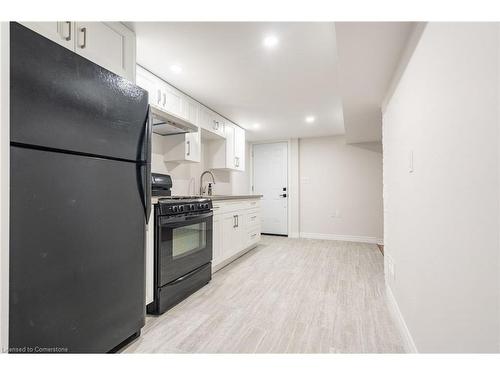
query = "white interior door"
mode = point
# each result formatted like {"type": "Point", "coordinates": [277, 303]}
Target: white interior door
{"type": "Point", "coordinates": [270, 178]}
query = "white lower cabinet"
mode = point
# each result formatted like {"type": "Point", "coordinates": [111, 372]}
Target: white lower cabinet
{"type": "Point", "coordinates": [236, 229]}
{"type": "Point", "coordinates": [217, 239]}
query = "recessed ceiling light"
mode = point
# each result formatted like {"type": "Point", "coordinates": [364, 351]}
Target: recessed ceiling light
{"type": "Point", "coordinates": [176, 69]}
{"type": "Point", "coordinates": [270, 41]}
{"type": "Point", "coordinates": [310, 119]}
{"type": "Point", "coordinates": [256, 126]}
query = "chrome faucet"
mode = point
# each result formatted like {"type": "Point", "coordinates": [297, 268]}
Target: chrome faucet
{"type": "Point", "coordinates": [201, 182]}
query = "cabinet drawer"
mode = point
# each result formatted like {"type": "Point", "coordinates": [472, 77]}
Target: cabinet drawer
{"type": "Point", "coordinates": [253, 237]}
{"type": "Point", "coordinates": [236, 205]}
{"type": "Point", "coordinates": [252, 219]}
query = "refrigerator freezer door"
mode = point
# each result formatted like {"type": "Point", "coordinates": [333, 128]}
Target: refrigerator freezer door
{"type": "Point", "coordinates": [63, 101]}
{"type": "Point", "coordinates": [77, 277]}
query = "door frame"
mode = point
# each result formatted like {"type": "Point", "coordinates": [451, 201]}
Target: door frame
{"type": "Point", "coordinates": [293, 229]}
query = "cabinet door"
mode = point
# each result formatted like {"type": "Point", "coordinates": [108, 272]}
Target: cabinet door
{"type": "Point", "coordinates": [193, 146]}
{"type": "Point", "coordinates": [214, 122]}
{"type": "Point", "coordinates": [217, 240]}
{"type": "Point", "coordinates": [203, 118]}
{"type": "Point", "coordinates": [108, 44]}
{"type": "Point", "coordinates": [230, 157]}
{"type": "Point", "coordinates": [172, 100]}
{"type": "Point", "coordinates": [190, 110]}
{"type": "Point", "coordinates": [62, 33]}
{"type": "Point", "coordinates": [149, 83]}
{"type": "Point", "coordinates": [239, 233]}
{"type": "Point", "coordinates": [220, 125]}
{"type": "Point", "coordinates": [228, 234]}
{"type": "Point", "coordinates": [239, 148]}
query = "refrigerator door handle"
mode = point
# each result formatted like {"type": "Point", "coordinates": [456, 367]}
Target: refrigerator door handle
{"type": "Point", "coordinates": [147, 189]}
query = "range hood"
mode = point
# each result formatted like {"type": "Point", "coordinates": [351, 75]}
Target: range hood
{"type": "Point", "coordinates": [166, 123]}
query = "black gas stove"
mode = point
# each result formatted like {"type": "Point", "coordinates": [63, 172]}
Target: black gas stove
{"type": "Point", "coordinates": [179, 205]}
{"type": "Point", "coordinates": [183, 245]}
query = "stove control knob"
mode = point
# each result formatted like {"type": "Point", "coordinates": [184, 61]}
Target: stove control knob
{"type": "Point", "coordinates": [181, 208]}
{"type": "Point", "coordinates": [205, 205]}
{"type": "Point", "coordinates": [175, 208]}
{"type": "Point", "coordinates": [192, 207]}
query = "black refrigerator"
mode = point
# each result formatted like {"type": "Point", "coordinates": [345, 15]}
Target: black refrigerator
{"type": "Point", "coordinates": [79, 200]}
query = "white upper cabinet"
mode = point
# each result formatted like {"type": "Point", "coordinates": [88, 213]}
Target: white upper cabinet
{"type": "Point", "coordinates": [239, 148]}
{"type": "Point", "coordinates": [180, 147]}
{"type": "Point", "coordinates": [183, 147]}
{"type": "Point", "coordinates": [190, 110]}
{"type": "Point", "coordinates": [108, 44]}
{"type": "Point", "coordinates": [211, 122]}
{"type": "Point", "coordinates": [229, 147]}
{"type": "Point", "coordinates": [60, 32]}
{"type": "Point", "coordinates": [228, 153]}
{"type": "Point", "coordinates": [151, 84]}
{"type": "Point", "coordinates": [165, 96]}
{"type": "Point", "coordinates": [172, 100]}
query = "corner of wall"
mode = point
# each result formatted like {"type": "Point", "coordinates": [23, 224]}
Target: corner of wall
{"type": "Point", "coordinates": [409, 344]}
{"type": "Point", "coordinates": [405, 58]}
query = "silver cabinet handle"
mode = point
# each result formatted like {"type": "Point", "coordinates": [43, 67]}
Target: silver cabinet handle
{"type": "Point", "coordinates": [215, 125]}
{"type": "Point", "coordinates": [68, 38]}
{"type": "Point", "coordinates": [237, 221]}
{"type": "Point", "coordinates": [159, 96]}
{"type": "Point", "coordinates": [164, 99]}
{"type": "Point", "coordinates": [83, 30]}
{"type": "Point", "coordinates": [234, 221]}
{"type": "Point", "coordinates": [189, 148]}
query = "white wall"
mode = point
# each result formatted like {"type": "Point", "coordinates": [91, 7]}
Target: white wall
{"type": "Point", "coordinates": [340, 190]}
{"type": "Point", "coordinates": [186, 176]}
{"type": "Point", "coordinates": [441, 221]}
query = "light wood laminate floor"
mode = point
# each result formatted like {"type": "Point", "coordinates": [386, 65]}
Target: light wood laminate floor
{"type": "Point", "coordinates": [285, 296]}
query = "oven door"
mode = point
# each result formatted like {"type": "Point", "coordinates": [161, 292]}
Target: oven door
{"type": "Point", "coordinates": [183, 243]}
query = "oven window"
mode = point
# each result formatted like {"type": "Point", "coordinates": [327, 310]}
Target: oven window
{"type": "Point", "coordinates": [188, 239]}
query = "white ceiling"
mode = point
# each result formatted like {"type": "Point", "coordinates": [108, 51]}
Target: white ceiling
{"type": "Point", "coordinates": [369, 54]}
{"type": "Point", "coordinates": [226, 67]}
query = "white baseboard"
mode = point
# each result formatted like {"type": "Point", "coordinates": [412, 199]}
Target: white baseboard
{"type": "Point", "coordinates": [293, 235]}
{"type": "Point", "coordinates": [408, 342]}
{"type": "Point", "coordinates": [341, 237]}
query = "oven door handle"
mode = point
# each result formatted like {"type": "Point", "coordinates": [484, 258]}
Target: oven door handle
{"type": "Point", "coordinates": [184, 220]}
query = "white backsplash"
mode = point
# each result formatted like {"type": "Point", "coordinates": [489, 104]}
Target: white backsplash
{"type": "Point", "coordinates": [186, 176]}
